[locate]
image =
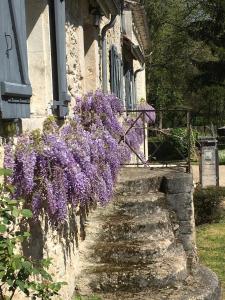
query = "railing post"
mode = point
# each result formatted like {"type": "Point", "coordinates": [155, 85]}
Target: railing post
{"type": "Point", "coordinates": [143, 118]}
{"type": "Point", "coordinates": [189, 141]}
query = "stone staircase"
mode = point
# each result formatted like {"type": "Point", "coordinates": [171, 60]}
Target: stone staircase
{"type": "Point", "coordinates": [135, 248]}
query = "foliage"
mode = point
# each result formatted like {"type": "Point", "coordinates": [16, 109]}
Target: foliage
{"type": "Point", "coordinates": [210, 28]}
{"type": "Point", "coordinates": [211, 244]}
{"type": "Point", "coordinates": [186, 65]}
{"type": "Point", "coordinates": [173, 145]}
{"type": "Point", "coordinates": [74, 164]}
{"type": "Point", "coordinates": [222, 157]}
{"type": "Point", "coordinates": [180, 140]}
{"type": "Point", "coordinates": [18, 273]}
{"type": "Point", "coordinates": [207, 203]}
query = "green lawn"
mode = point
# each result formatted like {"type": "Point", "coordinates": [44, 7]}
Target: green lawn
{"type": "Point", "coordinates": [211, 248]}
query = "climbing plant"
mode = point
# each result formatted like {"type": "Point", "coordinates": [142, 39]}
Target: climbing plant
{"type": "Point", "coordinates": [75, 164]}
{"type": "Point", "coordinates": [17, 272]}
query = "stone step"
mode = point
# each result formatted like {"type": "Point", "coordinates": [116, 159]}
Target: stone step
{"type": "Point", "coordinates": [140, 204]}
{"type": "Point", "coordinates": [122, 226]}
{"type": "Point", "coordinates": [202, 284]}
{"type": "Point", "coordinates": [138, 186]}
{"type": "Point", "coordinates": [133, 205]}
{"type": "Point", "coordinates": [156, 198]}
{"type": "Point", "coordinates": [132, 252]}
{"type": "Point", "coordinates": [142, 221]}
{"type": "Point", "coordinates": [112, 277]}
{"type": "Point", "coordinates": [146, 232]}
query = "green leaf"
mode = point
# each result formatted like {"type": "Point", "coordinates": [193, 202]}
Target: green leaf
{"type": "Point", "coordinates": [16, 264]}
{"type": "Point", "coordinates": [15, 212]}
{"type": "Point", "coordinates": [12, 202]}
{"type": "Point", "coordinates": [26, 213]}
{"type": "Point", "coordinates": [5, 172]}
{"type": "Point", "coordinates": [26, 234]}
{"type": "Point", "coordinates": [10, 188]}
{"type": "Point", "coordinates": [6, 221]}
{"type": "Point", "coordinates": [10, 282]}
{"type": "Point", "coordinates": [3, 228]}
{"type": "Point", "coordinates": [27, 266]}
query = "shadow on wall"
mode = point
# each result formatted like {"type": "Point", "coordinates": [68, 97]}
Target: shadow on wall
{"type": "Point", "coordinates": [67, 235]}
{"type": "Point", "coordinates": [34, 9]}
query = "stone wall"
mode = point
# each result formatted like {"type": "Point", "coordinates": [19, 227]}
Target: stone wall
{"type": "Point", "coordinates": [62, 246]}
{"type": "Point", "coordinates": [39, 62]}
{"type": "Point", "coordinates": [179, 192]}
{"type": "Point", "coordinates": [74, 49]}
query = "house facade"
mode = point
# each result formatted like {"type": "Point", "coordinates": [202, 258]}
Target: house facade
{"type": "Point", "coordinates": [55, 50]}
{"type": "Point", "coordinates": [51, 52]}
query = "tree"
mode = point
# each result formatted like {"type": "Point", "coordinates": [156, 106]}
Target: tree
{"type": "Point", "coordinates": [210, 29]}
{"type": "Point", "coordinates": [187, 65]}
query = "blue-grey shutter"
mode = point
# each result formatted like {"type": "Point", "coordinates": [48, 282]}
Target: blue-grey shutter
{"type": "Point", "coordinates": [128, 90]}
{"type": "Point", "coordinates": [120, 72]}
{"type": "Point", "coordinates": [61, 104]}
{"type": "Point", "coordinates": [133, 93]}
{"type": "Point", "coordinates": [115, 72]}
{"type": "Point", "coordinates": [112, 70]}
{"type": "Point", "coordinates": [15, 88]}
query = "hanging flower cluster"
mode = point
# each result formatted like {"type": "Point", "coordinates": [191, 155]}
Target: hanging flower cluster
{"type": "Point", "coordinates": [73, 164]}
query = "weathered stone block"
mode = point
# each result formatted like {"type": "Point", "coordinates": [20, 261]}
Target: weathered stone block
{"type": "Point", "coordinates": [177, 183]}
{"type": "Point", "coordinates": [182, 205]}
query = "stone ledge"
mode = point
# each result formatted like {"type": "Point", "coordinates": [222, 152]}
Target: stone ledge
{"type": "Point", "coordinates": [176, 183]}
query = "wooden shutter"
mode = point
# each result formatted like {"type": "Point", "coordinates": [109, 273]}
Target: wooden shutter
{"type": "Point", "coordinates": [116, 80]}
{"type": "Point", "coordinates": [15, 88]}
{"type": "Point", "coordinates": [120, 68]}
{"type": "Point", "coordinates": [112, 70]}
{"type": "Point", "coordinates": [133, 93]}
{"type": "Point", "coordinates": [61, 104]}
{"type": "Point", "coordinates": [128, 96]}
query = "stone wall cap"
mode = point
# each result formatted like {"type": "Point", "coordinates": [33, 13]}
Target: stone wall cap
{"type": "Point", "coordinates": [177, 182]}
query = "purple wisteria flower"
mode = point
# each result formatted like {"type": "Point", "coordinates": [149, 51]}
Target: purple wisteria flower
{"type": "Point", "coordinates": [9, 160]}
{"type": "Point", "coordinates": [73, 164]}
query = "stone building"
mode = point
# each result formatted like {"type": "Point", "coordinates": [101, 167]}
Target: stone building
{"type": "Point", "coordinates": [55, 50]}
{"type": "Point", "coordinates": [52, 51]}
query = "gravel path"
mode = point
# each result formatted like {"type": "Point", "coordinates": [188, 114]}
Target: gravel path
{"type": "Point", "coordinates": [195, 169]}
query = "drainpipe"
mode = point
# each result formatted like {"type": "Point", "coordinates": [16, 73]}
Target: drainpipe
{"type": "Point", "coordinates": [135, 77]}
{"type": "Point", "coordinates": [104, 54]}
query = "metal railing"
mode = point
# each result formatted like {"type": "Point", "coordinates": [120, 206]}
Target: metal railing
{"type": "Point", "coordinates": [158, 136]}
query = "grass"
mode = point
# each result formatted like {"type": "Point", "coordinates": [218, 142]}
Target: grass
{"type": "Point", "coordinates": [211, 248]}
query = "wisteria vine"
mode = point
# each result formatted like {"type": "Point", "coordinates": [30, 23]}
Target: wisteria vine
{"type": "Point", "coordinates": [67, 166]}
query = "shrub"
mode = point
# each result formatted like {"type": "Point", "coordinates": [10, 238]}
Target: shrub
{"type": "Point", "coordinates": [208, 204]}
{"type": "Point", "coordinates": [173, 145]}
{"type": "Point", "coordinates": [179, 138]}
{"type": "Point", "coordinates": [222, 157]}
{"type": "Point", "coordinates": [17, 272]}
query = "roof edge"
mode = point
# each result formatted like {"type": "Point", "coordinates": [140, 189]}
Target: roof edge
{"type": "Point", "coordinates": [108, 7]}
{"type": "Point", "coordinates": [135, 50]}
